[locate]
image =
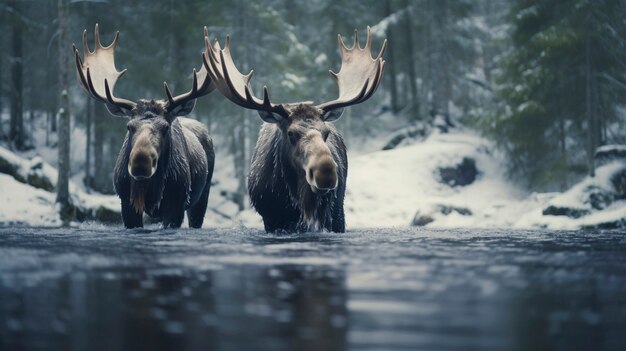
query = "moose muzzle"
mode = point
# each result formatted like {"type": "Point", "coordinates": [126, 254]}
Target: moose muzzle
{"type": "Point", "coordinates": [143, 160]}
{"type": "Point", "coordinates": [323, 174]}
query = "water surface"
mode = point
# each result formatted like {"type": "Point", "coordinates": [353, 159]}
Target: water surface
{"type": "Point", "coordinates": [241, 289]}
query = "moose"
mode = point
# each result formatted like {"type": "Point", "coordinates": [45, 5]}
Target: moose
{"type": "Point", "coordinates": [166, 163]}
{"type": "Point", "coordinates": [297, 178]}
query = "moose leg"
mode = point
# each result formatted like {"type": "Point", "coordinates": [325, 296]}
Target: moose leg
{"type": "Point", "coordinates": [339, 217]}
{"type": "Point", "coordinates": [174, 215]}
{"type": "Point", "coordinates": [339, 220]}
{"type": "Point", "coordinates": [130, 217]}
{"type": "Point", "coordinates": [195, 213]}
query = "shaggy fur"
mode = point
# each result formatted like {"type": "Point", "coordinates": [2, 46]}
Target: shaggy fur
{"type": "Point", "coordinates": [278, 188]}
{"type": "Point", "coordinates": [183, 176]}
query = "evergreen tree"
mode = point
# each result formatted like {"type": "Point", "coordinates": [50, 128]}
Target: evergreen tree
{"type": "Point", "coordinates": [561, 85]}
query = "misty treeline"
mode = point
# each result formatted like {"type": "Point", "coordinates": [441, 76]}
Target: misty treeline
{"type": "Point", "coordinates": [543, 78]}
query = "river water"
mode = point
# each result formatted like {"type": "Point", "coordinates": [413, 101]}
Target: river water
{"type": "Point", "coordinates": [241, 289]}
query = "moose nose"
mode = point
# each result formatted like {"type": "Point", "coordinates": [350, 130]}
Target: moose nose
{"type": "Point", "coordinates": [142, 165]}
{"type": "Point", "coordinates": [324, 174]}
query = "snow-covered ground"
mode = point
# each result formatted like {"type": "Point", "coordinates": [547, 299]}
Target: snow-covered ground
{"type": "Point", "coordinates": [397, 187]}
{"type": "Point", "coordinates": [390, 188]}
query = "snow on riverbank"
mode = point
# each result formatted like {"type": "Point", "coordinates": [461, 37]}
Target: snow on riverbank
{"type": "Point", "coordinates": [398, 187]}
{"type": "Point", "coordinates": [23, 204]}
{"type": "Point", "coordinates": [447, 180]}
{"type": "Point", "coordinates": [388, 188]}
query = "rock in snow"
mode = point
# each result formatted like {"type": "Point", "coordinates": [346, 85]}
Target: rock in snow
{"type": "Point", "coordinates": [608, 153]}
{"type": "Point", "coordinates": [459, 175]}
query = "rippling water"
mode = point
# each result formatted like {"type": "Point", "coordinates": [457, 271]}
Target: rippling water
{"type": "Point", "coordinates": [111, 289]}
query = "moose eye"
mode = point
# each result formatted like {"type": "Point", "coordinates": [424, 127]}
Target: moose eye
{"type": "Point", "coordinates": [293, 136]}
{"type": "Point", "coordinates": [325, 134]}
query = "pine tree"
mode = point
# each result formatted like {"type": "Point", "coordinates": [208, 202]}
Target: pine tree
{"type": "Point", "coordinates": [561, 85]}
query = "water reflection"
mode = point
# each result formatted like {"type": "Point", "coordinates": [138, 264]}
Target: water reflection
{"type": "Point", "coordinates": [248, 307]}
{"type": "Point", "coordinates": [244, 289]}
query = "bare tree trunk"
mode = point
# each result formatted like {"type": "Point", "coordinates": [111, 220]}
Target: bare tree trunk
{"type": "Point", "coordinates": [98, 149]}
{"type": "Point", "coordinates": [589, 101]}
{"type": "Point", "coordinates": [239, 160]}
{"type": "Point", "coordinates": [67, 210]}
{"type": "Point", "coordinates": [2, 44]}
{"type": "Point", "coordinates": [408, 31]}
{"type": "Point", "coordinates": [562, 137]}
{"type": "Point", "coordinates": [391, 65]}
{"type": "Point", "coordinates": [426, 17]}
{"type": "Point", "coordinates": [440, 62]}
{"type": "Point", "coordinates": [88, 111]}
{"type": "Point", "coordinates": [16, 132]}
{"type": "Point", "coordinates": [240, 134]}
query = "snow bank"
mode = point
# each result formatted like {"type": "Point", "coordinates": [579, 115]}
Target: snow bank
{"type": "Point", "coordinates": [595, 202]}
{"type": "Point", "coordinates": [394, 188]}
{"type": "Point", "coordinates": [387, 188]}
{"type": "Point", "coordinates": [404, 186]}
{"type": "Point", "coordinates": [26, 205]}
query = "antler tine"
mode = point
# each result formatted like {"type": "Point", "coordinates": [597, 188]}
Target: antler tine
{"type": "Point", "coordinates": [360, 74]}
{"type": "Point", "coordinates": [202, 83]}
{"type": "Point", "coordinates": [97, 72]}
{"type": "Point", "coordinates": [97, 38]}
{"type": "Point", "coordinates": [168, 93]}
{"type": "Point", "coordinates": [79, 71]}
{"type": "Point", "coordinates": [342, 46]}
{"type": "Point", "coordinates": [250, 98]}
{"type": "Point", "coordinates": [234, 85]}
{"type": "Point", "coordinates": [382, 50]}
{"type": "Point", "coordinates": [113, 44]}
{"type": "Point", "coordinates": [86, 50]}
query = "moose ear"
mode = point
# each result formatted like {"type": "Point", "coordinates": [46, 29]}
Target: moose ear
{"type": "Point", "coordinates": [332, 115]}
{"type": "Point", "coordinates": [118, 110]}
{"type": "Point", "coordinates": [183, 109]}
{"type": "Point", "coordinates": [269, 117]}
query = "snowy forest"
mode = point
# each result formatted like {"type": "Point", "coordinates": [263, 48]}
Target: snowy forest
{"type": "Point", "coordinates": [503, 113]}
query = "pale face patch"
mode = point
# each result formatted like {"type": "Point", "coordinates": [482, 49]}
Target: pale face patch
{"type": "Point", "coordinates": [147, 135]}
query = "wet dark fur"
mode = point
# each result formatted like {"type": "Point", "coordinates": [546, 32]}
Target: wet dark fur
{"type": "Point", "coordinates": [279, 191]}
{"type": "Point", "coordinates": [180, 182]}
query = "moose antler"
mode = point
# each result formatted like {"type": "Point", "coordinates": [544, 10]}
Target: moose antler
{"type": "Point", "coordinates": [97, 73]}
{"type": "Point", "coordinates": [205, 86]}
{"type": "Point", "coordinates": [359, 76]}
{"type": "Point", "coordinates": [231, 83]}
{"type": "Point", "coordinates": [358, 79]}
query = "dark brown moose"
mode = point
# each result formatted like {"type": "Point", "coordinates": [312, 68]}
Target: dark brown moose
{"type": "Point", "coordinates": [165, 165]}
{"type": "Point", "coordinates": [297, 179]}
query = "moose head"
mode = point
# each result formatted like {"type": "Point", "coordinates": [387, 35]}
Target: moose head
{"type": "Point", "coordinates": [303, 124]}
{"type": "Point", "coordinates": [149, 120]}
